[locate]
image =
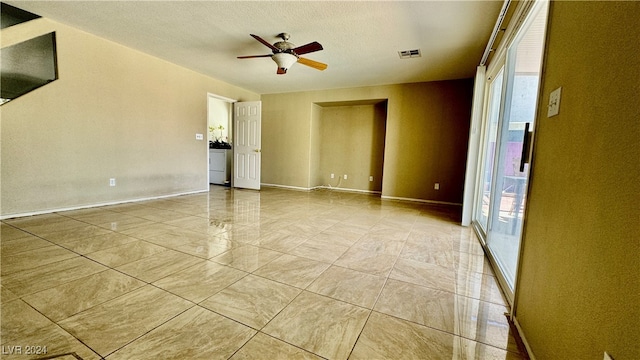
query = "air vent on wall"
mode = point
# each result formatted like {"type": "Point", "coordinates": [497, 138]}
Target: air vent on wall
{"type": "Point", "coordinates": [406, 54]}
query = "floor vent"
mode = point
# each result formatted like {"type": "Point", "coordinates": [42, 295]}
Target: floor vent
{"type": "Point", "coordinates": [406, 54]}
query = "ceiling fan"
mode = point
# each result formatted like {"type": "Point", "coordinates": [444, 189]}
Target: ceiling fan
{"type": "Point", "coordinates": [286, 54]}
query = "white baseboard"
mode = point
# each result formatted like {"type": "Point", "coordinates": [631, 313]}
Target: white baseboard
{"type": "Point", "coordinates": [523, 338]}
{"type": "Point", "coordinates": [360, 191]}
{"type": "Point", "coordinates": [80, 207]}
{"type": "Point", "coordinates": [421, 200]}
{"type": "Point", "coordinates": [320, 187]}
{"type": "Point", "coordinates": [299, 188]}
{"type": "Point", "coordinates": [346, 189]}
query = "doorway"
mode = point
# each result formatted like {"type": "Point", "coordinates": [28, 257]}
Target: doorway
{"type": "Point", "coordinates": [510, 110]}
{"type": "Point", "coordinates": [220, 131]}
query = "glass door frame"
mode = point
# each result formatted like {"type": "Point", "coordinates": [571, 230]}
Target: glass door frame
{"type": "Point", "coordinates": [504, 60]}
{"type": "Point", "coordinates": [499, 64]}
{"type": "Point", "coordinates": [494, 71]}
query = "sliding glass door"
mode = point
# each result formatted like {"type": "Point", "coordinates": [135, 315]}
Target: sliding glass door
{"type": "Point", "coordinates": [510, 112]}
{"type": "Point", "coordinates": [489, 147]}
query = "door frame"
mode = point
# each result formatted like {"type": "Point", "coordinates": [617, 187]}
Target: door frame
{"type": "Point", "coordinates": [523, 16]}
{"type": "Point", "coordinates": [212, 96]}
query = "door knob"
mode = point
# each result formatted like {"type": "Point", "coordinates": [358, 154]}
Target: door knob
{"type": "Point", "coordinates": [257, 150]}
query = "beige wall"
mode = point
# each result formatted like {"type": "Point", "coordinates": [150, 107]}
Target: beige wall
{"type": "Point", "coordinates": [351, 143]}
{"type": "Point", "coordinates": [425, 142]}
{"type": "Point", "coordinates": [579, 284]}
{"type": "Point", "coordinates": [113, 113]}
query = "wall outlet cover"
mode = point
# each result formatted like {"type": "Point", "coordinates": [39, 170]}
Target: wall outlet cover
{"type": "Point", "coordinates": [554, 102]}
{"type": "Point", "coordinates": [199, 137]}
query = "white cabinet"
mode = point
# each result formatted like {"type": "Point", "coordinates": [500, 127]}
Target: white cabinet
{"type": "Point", "coordinates": [220, 166]}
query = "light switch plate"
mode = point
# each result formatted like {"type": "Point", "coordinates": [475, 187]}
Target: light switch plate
{"type": "Point", "coordinates": [554, 102]}
{"type": "Point", "coordinates": [199, 136]}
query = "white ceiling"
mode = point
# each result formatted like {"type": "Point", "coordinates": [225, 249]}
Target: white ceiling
{"type": "Point", "coordinates": [361, 39]}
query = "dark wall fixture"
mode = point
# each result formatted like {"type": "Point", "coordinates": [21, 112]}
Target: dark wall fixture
{"type": "Point", "coordinates": [10, 16]}
{"type": "Point", "coordinates": [27, 65]}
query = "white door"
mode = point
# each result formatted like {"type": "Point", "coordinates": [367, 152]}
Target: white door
{"type": "Point", "coordinates": [246, 144]}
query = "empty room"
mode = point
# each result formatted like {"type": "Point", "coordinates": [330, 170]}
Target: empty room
{"type": "Point", "coordinates": [319, 180]}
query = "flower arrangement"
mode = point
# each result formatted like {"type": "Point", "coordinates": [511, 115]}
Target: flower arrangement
{"type": "Point", "coordinates": [218, 142]}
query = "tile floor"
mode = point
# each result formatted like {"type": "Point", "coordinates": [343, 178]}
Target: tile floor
{"type": "Point", "coordinates": [241, 274]}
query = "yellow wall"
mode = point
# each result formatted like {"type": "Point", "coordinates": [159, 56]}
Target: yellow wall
{"type": "Point", "coordinates": [579, 284]}
{"type": "Point", "coordinates": [427, 126]}
{"type": "Point", "coordinates": [113, 113]}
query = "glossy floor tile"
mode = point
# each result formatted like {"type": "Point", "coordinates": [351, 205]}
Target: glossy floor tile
{"type": "Point", "coordinates": [266, 347]}
{"type": "Point", "coordinates": [165, 263]}
{"type": "Point", "coordinates": [23, 326]}
{"type": "Point", "coordinates": [387, 337]}
{"type": "Point", "coordinates": [425, 274]}
{"type": "Point", "coordinates": [247, 258]}
{"type": "Point", "coordinates": [239, 274]}
{"type": "Point", "coordinates": [373, 263]}
{"type": "Point", "coordinates": [435, 308]}
{"type": "Point", "coordinates": [63, 301]}
{"type": "Point", "coordinates": [209, 335]}
{"type": "Point", "coordinates": [293, 270]}
{"type": "Point", "coordinates": [50, 275]}
{"type": "Point", "coordinates": [33, 258]}
{"type": "Point", "coordinates": [200, 281]}
{"type": "Point", "coordinates": [319, 324]}
{"type": "Point", "coordinates": [113, 324]}
{"type": "Point", "coordinates": [348, 285]}
{"type": "Point", "coordinates": [252, 301]}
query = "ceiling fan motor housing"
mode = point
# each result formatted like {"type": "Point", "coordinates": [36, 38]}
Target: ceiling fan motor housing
{"type": "Point", "coordinates": [284, 46]}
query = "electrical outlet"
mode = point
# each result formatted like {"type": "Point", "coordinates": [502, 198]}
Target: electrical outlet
{"type": "Point", "coordinates": [345, 176]}
{"type": "Point", "coordinates": [436, 186]}
{"type": "Point", "coordinates": [112, 182]}
{"type": "Point", "coordinates": [607, 356]}
{"type": "Point", "coordinates": [370, 178]}
{"type": "Point", "coordinates": [199, 137]}
{"type": "Point", "coordinates": [333, 176]}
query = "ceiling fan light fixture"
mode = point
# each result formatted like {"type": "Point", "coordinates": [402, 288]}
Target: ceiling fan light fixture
{"type": "Point", "coordinates": [284, 61]}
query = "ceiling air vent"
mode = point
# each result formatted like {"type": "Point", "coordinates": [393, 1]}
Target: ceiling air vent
{"type": "Point", "coordinates": [406, 54]}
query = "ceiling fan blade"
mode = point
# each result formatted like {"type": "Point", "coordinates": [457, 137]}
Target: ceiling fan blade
{"type": "Point", "coordinates": [312, 63]}
{"type": "Point", "coordinates": [281, 71]}
{"type": "Point", "coordinates": [263, 41]}
{"type": "Point", "coordinates": [310, 47]}
{"type": "Point", "coordinates": [254, 56]}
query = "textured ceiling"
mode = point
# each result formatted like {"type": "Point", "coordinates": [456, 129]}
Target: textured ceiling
{"type": "Point", "coordinates": [361, 39]}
